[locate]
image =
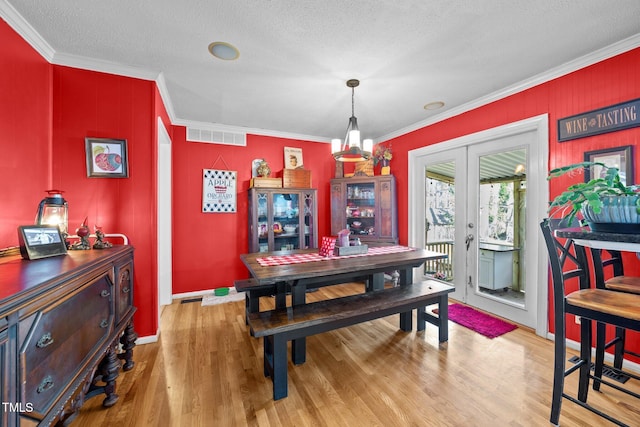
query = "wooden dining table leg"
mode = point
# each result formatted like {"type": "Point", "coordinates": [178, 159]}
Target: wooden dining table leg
{"type": "Point", "coordinates": [299, 345]}
{"type": "Point", "coordinates": [406, 319]}
{"type": "Point", "coordinates": [376, 282]}
{"type": "Point", "coordinates": [281, 295]}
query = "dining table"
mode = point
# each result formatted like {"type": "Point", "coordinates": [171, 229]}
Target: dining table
{"type": "Point", "coordinates": [597, 241]}
{"type": "Point", "coordinates": [626, 242]}
{"type": "Point", "coordinates": [297, 271]}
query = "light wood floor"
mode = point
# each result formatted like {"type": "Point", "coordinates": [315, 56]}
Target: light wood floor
{"type": "Point", "coordinates": [207, 371]}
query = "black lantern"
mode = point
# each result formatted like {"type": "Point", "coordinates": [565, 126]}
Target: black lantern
{"type": "Point", "coordinates": [53, 210]}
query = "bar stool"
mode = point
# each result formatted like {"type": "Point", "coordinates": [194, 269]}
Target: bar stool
{"type": "Point", "coordinates": [568, 263]}
{"type": "Point", "coordinates": [620, 283]}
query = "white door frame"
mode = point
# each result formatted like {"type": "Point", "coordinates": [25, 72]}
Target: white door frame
{"type": "Point", "coordinates": [537, 188]}
{"type": "Point", "coordinates": [164, 237]}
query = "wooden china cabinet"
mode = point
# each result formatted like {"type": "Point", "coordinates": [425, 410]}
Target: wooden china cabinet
{"type": "Point", "coordinates": [367, 207]}
{"type": "Point", "coordinates": [282, 219]}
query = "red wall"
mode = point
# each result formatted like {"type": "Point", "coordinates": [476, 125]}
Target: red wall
{"type": "Point", "coordinates": [91, 104]}
{"type": "Point", "coordinates": [46, 111]}
{"type": "Point", "coordinates": [25, 132]}
{"type": "Point", "coordinates": [606, 83]}
{"type": "Point", "coordinates": [207, 245]}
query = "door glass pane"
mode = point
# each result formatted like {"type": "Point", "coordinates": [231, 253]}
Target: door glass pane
{"type": "Point", "coordinates": [440, 216]}
{"type": "Point", "coordinates": [501, 220]}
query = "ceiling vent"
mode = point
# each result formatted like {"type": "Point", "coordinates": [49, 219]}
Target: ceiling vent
{"type": "Point", "coordinates": [216, 136]}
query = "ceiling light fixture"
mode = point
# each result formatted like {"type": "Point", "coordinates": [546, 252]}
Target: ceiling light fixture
{"type": "Point", "coordinates": [352, 150]}
{"type": "Point", "coordinates": [434, 105]}
{"type": "Point", "coordinates": [224, 51]}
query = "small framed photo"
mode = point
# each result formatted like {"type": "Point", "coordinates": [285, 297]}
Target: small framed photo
{"type": "Point", "coordinates": [293, 158]}
{"type": "Point", "coordinates": [619, 157]}
{"type": "Point", "coordinates": [107, 158]}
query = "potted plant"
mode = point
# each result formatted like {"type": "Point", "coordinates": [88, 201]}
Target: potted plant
{"type": "Point", "coordinates": [605, 202]}
{"type": "Point", "coordinates": [383, 156]}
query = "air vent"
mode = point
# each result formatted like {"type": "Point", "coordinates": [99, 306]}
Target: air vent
{"type": "Point", "coordinates": [216, 136]}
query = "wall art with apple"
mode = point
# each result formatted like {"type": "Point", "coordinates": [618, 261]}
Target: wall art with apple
{"type": "Point", "coordinates": [106, 158]}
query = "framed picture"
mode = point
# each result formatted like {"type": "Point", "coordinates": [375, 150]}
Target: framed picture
{"type": "Point", "coordinates": [619, 157]}
{"type": "Point", "coordinates": [106, 158]}
{"type": "Point", "coordinates": [292, 158]}
{"type": "Point", "coordinates": [219, 191]}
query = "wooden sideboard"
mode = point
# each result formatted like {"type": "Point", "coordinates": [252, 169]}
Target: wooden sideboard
{"type": "Point", "coordinates": [65, 329]}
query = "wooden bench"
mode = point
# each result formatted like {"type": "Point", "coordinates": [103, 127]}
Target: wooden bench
{"type": "Point", "coordinates": [253, 291]}
{"type": "Point", "coordinates": [277, 327]}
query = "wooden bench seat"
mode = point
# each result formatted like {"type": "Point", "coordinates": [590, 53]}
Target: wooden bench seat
{"type": "Point", "coordinates": [253, 291]}
{"type": "Point", "coordinates": [277, 327]}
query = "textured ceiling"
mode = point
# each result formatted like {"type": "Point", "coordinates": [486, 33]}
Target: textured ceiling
{"type": "Point", "coordinates": [296, 55]}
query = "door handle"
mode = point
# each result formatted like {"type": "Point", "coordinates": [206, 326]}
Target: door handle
{"type": "Point", "coordinates": [467, 240]}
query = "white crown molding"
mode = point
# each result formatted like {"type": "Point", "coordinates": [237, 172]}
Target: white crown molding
{"type": "Point", "coordinates": [22, 27]}
{"type": "Point", "coordinates": [166, 97]}
{"type": "Point", "coordinates": [249, 131]}
{"type": "Point", "coordinates": [99, 65]}
{"type": "Point", "coordinates": [566, 68]}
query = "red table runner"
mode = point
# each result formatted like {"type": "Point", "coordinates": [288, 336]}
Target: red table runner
{"type": "Point", "coordinates": [311, 257]}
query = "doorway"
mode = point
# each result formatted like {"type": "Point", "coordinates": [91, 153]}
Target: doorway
{"type": "Point", "coordinates": [164, 237]}
{"type": "Point", "coordinates": [479, 198]}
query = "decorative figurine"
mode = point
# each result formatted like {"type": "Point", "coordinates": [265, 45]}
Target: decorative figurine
{"type": "Point", "coordinates": [264, 170]}
{"type": "Point", "coordinates": [83, 233]}
{"type": "Point", "coordinates": [100, 243]}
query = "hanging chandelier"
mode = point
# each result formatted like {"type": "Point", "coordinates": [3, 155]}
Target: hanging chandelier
{"type": "Point", "coordinates": [353, 149]}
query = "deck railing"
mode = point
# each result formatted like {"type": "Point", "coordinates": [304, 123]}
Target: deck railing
{"type": "Point", "coordinates": [443, 268]}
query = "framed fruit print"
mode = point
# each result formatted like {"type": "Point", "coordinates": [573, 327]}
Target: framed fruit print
{"type": "Point", "coordinates": [106, 158]}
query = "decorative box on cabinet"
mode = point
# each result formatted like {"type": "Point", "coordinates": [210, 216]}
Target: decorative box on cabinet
{"type": "Point", "coordinates": [67, 323]}
{"type": "Point", "coordinates": [282, 219]}
{"type": "Point", "coordinates": [367, 207]}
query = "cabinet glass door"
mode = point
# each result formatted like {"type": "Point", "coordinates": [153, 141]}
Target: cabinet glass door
{"type": "Point", "coordinates": [263, 222]}
{"type": "Point", "coordinates": [308, 223]}
{"type": "Point", "coordinates": [361, 210]}
{"type": "Point", "coordinates": [286, 221]}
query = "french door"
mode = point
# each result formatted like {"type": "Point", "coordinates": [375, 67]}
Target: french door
{"type": "Point", "coordinates": [479, 199]}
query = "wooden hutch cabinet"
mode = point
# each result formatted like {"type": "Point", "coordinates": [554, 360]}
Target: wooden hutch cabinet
{"type": "Point", "coordinates": [367, 207]}
{"type": "Point", "coordinates": [282, 219]}
{"type": "Point", "coordinates": [65, 325]}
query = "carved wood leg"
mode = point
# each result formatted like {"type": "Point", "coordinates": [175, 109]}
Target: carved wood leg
{"type": "Point", "coordinates": [128, 341]}
{"type": "Point", "coordinates": [71, 408]}
{"type": "Point", "coordinates": [109, 368]}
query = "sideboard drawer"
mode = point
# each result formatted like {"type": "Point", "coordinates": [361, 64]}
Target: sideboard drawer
{"type": "Point", "coordinates": [62, 338]}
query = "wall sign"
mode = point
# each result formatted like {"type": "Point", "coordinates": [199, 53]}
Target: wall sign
{"type": "Point", "coordinates": [609, 119]}
{"type": "Point", "coordinates": [219, 191]}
